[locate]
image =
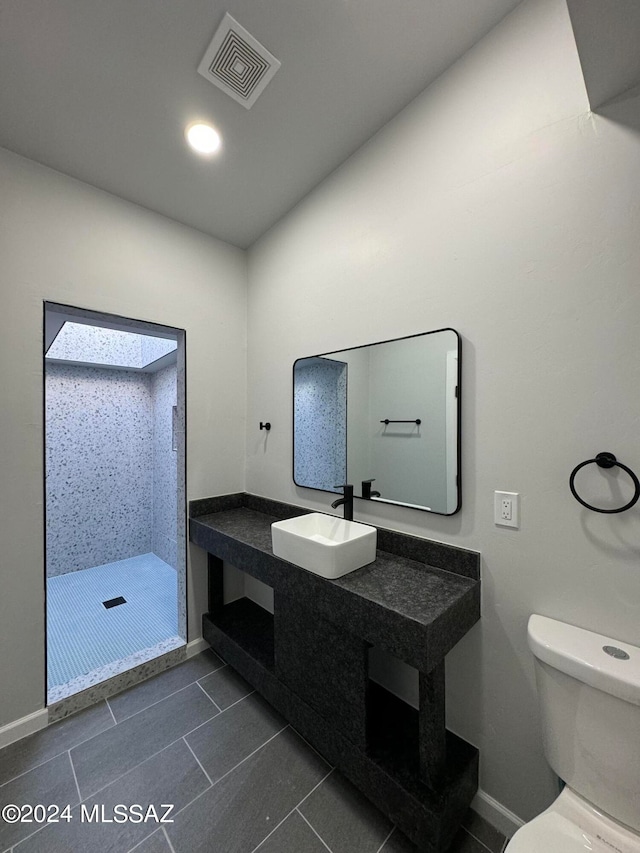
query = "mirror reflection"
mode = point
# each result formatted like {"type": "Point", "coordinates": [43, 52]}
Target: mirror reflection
{"type": "Point", "coordinates": [384, 417]}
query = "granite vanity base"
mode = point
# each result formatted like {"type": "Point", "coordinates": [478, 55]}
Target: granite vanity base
{"type": "Point", "coordinates": [386, 770]}
{"type": "Point", "coordinates": [310, 658]}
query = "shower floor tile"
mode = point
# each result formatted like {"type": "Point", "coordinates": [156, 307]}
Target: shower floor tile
{"type": "Point", "coordinates": [87, 642]}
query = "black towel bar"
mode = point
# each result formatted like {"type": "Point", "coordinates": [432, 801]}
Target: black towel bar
{"type": "Point", "coordinates": [605, 460]}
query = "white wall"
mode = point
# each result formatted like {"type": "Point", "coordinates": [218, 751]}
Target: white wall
{"type": "Point", "coordinates": [495, 204]}
{"type": "Point", "coordinates": [64, 241]}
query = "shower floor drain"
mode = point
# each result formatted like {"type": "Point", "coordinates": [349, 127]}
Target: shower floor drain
{"type": "Point", "coordinates": [114, 602]}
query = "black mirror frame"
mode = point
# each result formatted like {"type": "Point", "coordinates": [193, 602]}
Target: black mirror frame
{"type": "Point", "coordinates": [458, 414]}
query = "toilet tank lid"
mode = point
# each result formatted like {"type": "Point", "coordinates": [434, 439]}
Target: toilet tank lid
{"type": "Point", "coordinates": [581, 654]}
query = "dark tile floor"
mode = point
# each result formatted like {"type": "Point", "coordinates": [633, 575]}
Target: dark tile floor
{"type": "Point", "coordinates": [196, 737]}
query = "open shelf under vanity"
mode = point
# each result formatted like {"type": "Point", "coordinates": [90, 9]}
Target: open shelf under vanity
{"type": "Point", "coordinates": [249, 626]}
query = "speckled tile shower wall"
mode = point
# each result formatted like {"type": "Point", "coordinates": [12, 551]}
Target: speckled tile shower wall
{"type": "Point", "coordinates": [165, 510]}
{"type": "Point", "coordinates": [320, 416]}
{"type": "Point", "coordinates": [99, 435]}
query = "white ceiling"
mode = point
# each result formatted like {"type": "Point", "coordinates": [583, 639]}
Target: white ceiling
{"type": "Point", "coordinates": [607, 36]}
{"type": "Point", "coordinates": [102, 90]}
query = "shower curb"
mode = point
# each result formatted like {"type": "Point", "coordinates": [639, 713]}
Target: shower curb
{"type": "Point", "coordinates": [116, 684]}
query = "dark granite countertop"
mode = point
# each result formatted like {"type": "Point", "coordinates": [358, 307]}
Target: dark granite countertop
{"type": "Point", "coordinates": [414, 609]}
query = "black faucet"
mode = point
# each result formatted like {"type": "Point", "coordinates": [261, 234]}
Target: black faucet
{"type": "Point", "coordinates": [367, 494]}
{"type": "Point", "coordinates": [347, 500]}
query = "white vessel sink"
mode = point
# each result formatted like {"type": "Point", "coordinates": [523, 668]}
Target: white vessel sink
{"type": "Point", "coordinates": [323, 544]}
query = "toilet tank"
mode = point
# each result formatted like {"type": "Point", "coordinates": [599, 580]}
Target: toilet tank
{"type": "Point", "coordinates": [590, 712]}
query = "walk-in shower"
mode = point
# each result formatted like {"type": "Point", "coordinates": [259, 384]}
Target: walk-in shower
{"type": "Point", "coordinates": [114, 495]}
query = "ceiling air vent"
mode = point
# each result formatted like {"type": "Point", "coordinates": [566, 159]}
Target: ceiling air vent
{"type": "Point", "coordinates": [237, 63]}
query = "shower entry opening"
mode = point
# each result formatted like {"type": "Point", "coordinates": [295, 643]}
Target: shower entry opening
{"type": "Point", "coordinates": [115, 508]}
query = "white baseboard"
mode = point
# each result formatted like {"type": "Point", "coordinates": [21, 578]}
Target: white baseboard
{"type": "Point", "coordinates": [197, 646]}
{"type": "Point", "coordinates": [496, 814]}
{"type": "Point", "coordinates": [24, 726]}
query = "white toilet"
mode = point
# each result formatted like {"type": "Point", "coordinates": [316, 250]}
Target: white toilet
{"type": "Point", "coordinates": [589, 693]}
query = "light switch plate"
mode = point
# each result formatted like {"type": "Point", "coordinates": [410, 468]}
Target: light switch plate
{"type": "Point", "coordinates": [506, 509]}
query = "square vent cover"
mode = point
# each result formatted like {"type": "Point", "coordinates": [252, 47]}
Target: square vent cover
{"type": "Point", "coordinates": [237, 63]}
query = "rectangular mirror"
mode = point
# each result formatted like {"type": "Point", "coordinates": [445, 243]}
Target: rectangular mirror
{"type": "Point", "coordinates": [384, 417]}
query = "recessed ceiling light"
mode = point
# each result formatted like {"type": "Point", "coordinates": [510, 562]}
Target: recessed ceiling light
{"type": "Point", "coordinates": [203, 138]}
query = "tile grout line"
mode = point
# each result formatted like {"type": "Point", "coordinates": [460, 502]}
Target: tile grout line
{"type": "Point", "coordinates": [209, 697]}
{"type": "Point", "coordinates": [153, 755]}
{"type": "Point", "coordinates": [288, 815]}
{"type": "Point", "coordinates": [198, 760]}
{"type": "Point", "coordinates": [484, 843]}
{"type": "Point", "coordinates": [45, 825]}
{"type": "Point", "coordinates": [311, 746]}
{"type": "Point", "coordinates": [158, 701]}
{"type": "Point", "coordinates": [324, 778]}
{"type": "Point", "coordinates": [222, 711]}
{"type": "Point", "coordinates": [169, 695]}
{"type": "Point", "coordinates": [86, 740]}
{"type": "Point", "coordinates": [75, 778]}
{"type": "Point", "coordinates": [213, 784]}
{"type": "Point", "coordinates": [235, 767]}
{"type": "Point", "coordinates": [143, 840]}
{"type": "Point", "coordinates": [167, 839]}
{"type": "Point", "coordinates": [463, 828]}
{"type": "Point", "coordinates": [185, 735]}
{"type": "Point", "coordinates": [111, 709]}
{"type": "Point", "coordinates": [215, 716]}
{"type": "Point", "coordinates": [133, 686]}
{"type": "Point", "coordinates": [315, 831]}
{"type": "Point", "coordinates": [27, 837]}
{"type": "Point", "coordinates": [113, 781]}
{"type": "Point", "coordinates": [51, 757]}
{"type": "Point", "coordinates": [81, 742]}
{"type": "Point", "coordinates": [391, 831]}
{"type": "Point", "coordinates": [481, 843]}
{"type": "Point", "coordinates": [223, 663]}
{"type": "Point", "coordinates": [251, 692]}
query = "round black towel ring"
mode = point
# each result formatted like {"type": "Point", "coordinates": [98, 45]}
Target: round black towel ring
{"type": "Point", "coordinates": [605, 460]}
